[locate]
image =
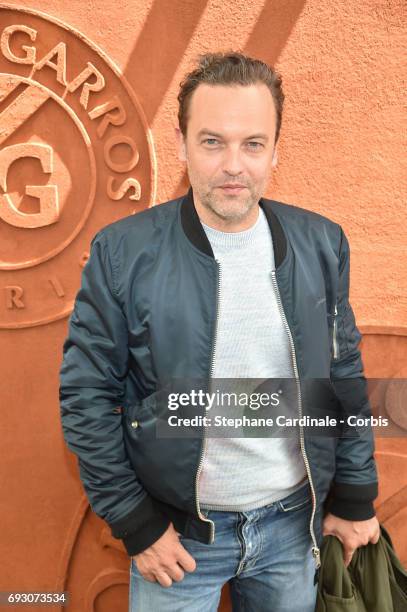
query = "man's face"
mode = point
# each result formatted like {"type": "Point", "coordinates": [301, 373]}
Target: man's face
{"type": "Point", "coordinates": [230, 140]}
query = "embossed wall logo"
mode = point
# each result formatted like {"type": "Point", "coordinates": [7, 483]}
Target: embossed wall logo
{"type": "Point", "coordinates": [75, 155]}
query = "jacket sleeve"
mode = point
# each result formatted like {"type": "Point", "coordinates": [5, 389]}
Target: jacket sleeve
{"type": "Point", "coordinates": [92, 385]}
{"type": "Point", "coordinates": [355, 484]}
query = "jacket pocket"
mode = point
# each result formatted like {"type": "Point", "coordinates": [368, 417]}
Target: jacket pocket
{"type": "Point", "coordinates": [333, 603]}
{"type": "Point", "coordinates": [141, 416]}
{"type": "Point", "coordinates": [344, 334]}
{"type": "Point", "coordinates": [333, 327]}
{"type": "Point", "coordinates": [132, 416]}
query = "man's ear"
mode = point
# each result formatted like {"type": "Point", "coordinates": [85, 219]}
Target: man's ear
{"type": "Point", "coordinates": [182, 153]}
{"type": "Point", "coordinates": [274, 161]}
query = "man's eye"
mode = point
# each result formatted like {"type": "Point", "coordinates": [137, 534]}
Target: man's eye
{"type": "Point", "coordinates": [255, 145]}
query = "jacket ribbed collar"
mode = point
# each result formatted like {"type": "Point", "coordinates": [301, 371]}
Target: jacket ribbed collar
{"type": "Point", "coordinates": [194, 231]}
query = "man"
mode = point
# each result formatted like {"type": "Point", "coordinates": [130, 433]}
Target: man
{"type": "Point", "coordinates": [220, 283]}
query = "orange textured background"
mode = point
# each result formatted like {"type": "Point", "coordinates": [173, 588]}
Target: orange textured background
{"type": "Point", "coordinates": [341, 153]}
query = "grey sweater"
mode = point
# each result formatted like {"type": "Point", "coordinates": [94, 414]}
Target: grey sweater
{"type": "Point", "coordinates": [243, 473]}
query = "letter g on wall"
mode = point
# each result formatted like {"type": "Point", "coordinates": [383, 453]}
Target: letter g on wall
{"type": "Point", "coordinates": [47, 194]}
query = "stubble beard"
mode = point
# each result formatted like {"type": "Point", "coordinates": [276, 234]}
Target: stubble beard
{"type": "Point", "coordinates": [227, 207]}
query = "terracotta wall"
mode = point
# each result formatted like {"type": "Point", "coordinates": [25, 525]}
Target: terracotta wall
{"type": "Point", "coordinates": [74, 159]}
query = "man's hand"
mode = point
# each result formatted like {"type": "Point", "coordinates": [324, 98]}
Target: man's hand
{"type": "Point", "coordinates": [352, 534]}
{"type": "Point", "coordinates": [165, 560]}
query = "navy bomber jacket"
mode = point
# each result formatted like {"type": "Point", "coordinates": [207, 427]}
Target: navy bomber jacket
{"type": "Point", "coordinates": [146, 312]}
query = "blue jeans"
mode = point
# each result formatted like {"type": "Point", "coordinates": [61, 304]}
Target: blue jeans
{"type": "Point", "coordinates": [264, 554]}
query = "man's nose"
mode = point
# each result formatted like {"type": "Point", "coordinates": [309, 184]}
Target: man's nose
{"type": "Point", "coordinates": [232, 161]}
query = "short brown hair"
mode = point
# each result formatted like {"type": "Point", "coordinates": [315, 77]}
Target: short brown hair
{"type": "Point", "coordinates": [231, 67]}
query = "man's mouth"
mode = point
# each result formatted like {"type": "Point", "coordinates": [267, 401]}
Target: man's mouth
{"type": "Point", "coordinates": [234, 189]}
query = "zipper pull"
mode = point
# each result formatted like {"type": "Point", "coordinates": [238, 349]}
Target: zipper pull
{"type": "Point", "coordinates": [317, 555]}
{"type": "Point", "coordinates": [334, 335]}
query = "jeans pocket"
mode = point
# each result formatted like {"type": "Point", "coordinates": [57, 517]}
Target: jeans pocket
{"type": "Point", "coordinates": [297, 500]}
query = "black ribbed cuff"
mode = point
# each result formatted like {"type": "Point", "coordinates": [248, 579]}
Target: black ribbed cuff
{"type": "Point", "coordinates": [352, 511]}
{"type": "Point", "coordinates": [140, 540]}
{"type": "Point", "coordinates": [141, 527]}
{"type": "Point", "coordinates": [353, 502]}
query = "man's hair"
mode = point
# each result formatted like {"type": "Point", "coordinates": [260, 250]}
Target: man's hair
{"type": "Point", "coordinates": [229, 68]}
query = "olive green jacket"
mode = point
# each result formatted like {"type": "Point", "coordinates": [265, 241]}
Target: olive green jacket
{"type": "Point", "coordinates": [374, 581]}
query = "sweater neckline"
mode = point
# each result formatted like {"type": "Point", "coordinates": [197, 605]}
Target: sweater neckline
{"type": "Point", "coordinates": [235, 239]}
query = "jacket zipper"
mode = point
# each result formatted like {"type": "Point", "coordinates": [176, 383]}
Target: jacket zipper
{"type": "Point", "coordinates": [203, 448]}
{"type": "Point", "coordinates": [335, 333]}
{"type": "Point", "coordinates": [315, 549]}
